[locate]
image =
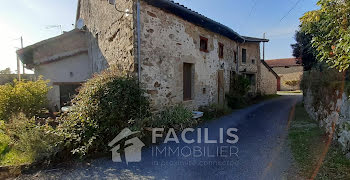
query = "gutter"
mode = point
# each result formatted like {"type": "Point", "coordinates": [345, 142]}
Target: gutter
{"type": "Point", "coordinates": [138, 29]}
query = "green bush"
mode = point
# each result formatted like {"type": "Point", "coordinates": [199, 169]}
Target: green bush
{"type": "Point", "coordinates": [104, 106]}
{"type": "Point", "coordinates": [239, 88]}
{"type": "Point", "coordinates": [177, 117]}
{"type": "Point", "coordinates": [214, 111]}
{"type": "Point", "coordinates": [292, 83]}
{"type": "Point", "coordinates": [34, 141]}
{"type": "Point", "coordinates": [28, 97]}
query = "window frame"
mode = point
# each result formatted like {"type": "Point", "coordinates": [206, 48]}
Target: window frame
{"type": "Point", "coordinates": [244, 55]}
{"type": "Point", "coordinates": [201, 38]}
{"type": "Point", "coordinates": [221, 50]}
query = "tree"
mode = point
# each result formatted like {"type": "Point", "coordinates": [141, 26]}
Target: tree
{"type": "Point", "coordinates": [5, 71]}
{"type": "Point", "coordinates": [303, 49]}
{"type": "Point", "coordinates": [329, 28]}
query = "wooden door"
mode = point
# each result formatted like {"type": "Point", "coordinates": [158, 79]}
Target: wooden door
{"type": "Point", "coordinates": [221, 87]}
{"type": "Point", "coordinates": [278, 84]}
{"type": "Point", "coordinates": [187, 81]}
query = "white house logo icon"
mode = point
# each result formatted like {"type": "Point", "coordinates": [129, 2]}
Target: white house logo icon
{"type": "Point", "coordinates": [128, 145]}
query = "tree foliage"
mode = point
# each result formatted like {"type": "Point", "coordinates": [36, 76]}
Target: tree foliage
{"type": "Point", "coordinates": [28, 97]}
{"type": "Point", "coordinates": [303, 49]}
{"type": "Point", "coordinates": [5, 71]}
{"type": "Point", "coordinates": [329, 27]}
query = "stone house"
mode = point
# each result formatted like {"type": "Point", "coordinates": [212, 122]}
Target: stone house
{"type": "Point", "coordinates": [178, 55]}
{"type": "Point", "coordinates": [289, 70]}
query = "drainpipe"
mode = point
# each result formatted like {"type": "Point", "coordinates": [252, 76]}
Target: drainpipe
{"type": "Point", "coordinates": [138, 29]}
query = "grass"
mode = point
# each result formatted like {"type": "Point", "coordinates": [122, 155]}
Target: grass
{"type": "Point", "coordinates": [10, 156]}
{"type": "Point", "coordinates": [308, 141]}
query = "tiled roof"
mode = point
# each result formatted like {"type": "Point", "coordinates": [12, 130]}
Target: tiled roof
{"type": "Point", "coordinates": [284, 62]}
{"type": "Point", "coordinates": [200, 20]}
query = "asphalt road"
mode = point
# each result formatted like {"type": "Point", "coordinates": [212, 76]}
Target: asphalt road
{"type": "Point", "coordinates": [261, 152]}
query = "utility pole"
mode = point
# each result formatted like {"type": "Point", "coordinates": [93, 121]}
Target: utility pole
{"type": "Point", "coordinates": [18, 69]}
{"type": "Point", "coordinates": [22, 48]}
{"type": "Point", "coordinates": [264, 47]}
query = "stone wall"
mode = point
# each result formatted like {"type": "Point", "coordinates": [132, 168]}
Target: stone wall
{"type": "Point", "coordinates": [110, 34]}
{"type": "Point", "coordinates": [335, 110]}
{"type": "Point", "coordinates": [293, 73]}
{"type": "Point", "coordinates": [268, 84]}
{"type": "Point", "coordinates": [167, 42]}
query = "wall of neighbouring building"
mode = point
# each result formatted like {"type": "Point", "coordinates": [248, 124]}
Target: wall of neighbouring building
{"type": "Point", "coordinates": [64, 45]}
{"type": "Point", "coordinates": [110, 34]}
{"type": "Point", "coordinates": [75, 69]}
{"type": "Point", "coordinates": [268, 84]}
{"type": "Point", "coordinates": [168, 41]}
{"type": "Point", "coordinates": [292, 73]}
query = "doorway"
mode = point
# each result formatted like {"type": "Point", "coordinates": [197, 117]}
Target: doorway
{"type": "Point", "coordinates": [221, 87]}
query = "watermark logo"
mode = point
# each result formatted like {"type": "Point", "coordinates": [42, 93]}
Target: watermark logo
{"type": "Point", "coordinates": [127, 148]}
{"type": "Point", "coordinates": [190, 143]}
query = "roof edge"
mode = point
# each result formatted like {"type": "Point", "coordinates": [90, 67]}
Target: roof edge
{"type": "Point", "coordinates": [269, 68]}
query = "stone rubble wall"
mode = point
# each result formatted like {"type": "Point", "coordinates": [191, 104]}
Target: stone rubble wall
{"type": "Point", "coordinates": [169, 41]}
{"type": "Point", "coordinates": [268, 84]}
{"type": "Point", "coordinates": [110, 34]}
{"type": "Point", "coordinates": [337, 111]}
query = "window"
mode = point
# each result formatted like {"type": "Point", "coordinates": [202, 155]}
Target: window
{"type": "Point", "coordinates": [244, 55]}
{"type": "Point", "coordinates": [253, 61]}
{"type": "Point", "coordinates": [187, 81]}
{"type": "Point", "coordinates": [235, 57]}
{"type": "Point", "coordinates": [203, 44]}
{"type": "Point", "coordinates": [221, 50]}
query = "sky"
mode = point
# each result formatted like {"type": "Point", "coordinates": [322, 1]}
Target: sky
{"type": "Point", "coordinates": [279, 19]}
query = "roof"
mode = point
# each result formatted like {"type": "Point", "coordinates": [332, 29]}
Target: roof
{"type": "Point", "coordinates": [200, 20]}
{"type": "Point", "coordinates": [269, 68]}
{"type": "Point", "coordinates": [26, 55]}
{"type": "Point", "coordinates": [284, 62]}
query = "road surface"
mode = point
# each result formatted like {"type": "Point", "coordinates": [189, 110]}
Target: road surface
{"type": "Point", "coordinates": [262, 152]}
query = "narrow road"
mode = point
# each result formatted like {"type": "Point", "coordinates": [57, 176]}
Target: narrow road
{"type": "Point", "coordinates": [263, 152]}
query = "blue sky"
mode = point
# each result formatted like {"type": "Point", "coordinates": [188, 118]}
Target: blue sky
{"type": "Point", "coordinates": [30, 18]}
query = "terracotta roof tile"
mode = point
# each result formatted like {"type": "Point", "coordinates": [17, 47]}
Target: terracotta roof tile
{"type": "Point", "coordinates": [284, 62]}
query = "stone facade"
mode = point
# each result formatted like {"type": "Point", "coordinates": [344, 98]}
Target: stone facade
{"type": "Point", "coordinates": [287, 74]}
{"type": "Point", "coordinates": [290, 71]}
{"type": "Point", "coordinates": [110, 33]}
{"type": "Point", "coordinates": [167, 42]}
{"type": "Point", "coordinates": [268, 83]}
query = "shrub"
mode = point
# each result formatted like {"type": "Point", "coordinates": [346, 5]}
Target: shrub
{"type": "Point", "coordinates": [214, 111]}
{"type": "Point", "coordinates": [103, 107]}
{"type": "Point", "coordinates": [28, 97]}
{"type": "Point", "coordinates": [37, 142]}
{"type": "Point", "coordinates": [292, 83]}
{"type": "Point", "coordinates": [239, 88]}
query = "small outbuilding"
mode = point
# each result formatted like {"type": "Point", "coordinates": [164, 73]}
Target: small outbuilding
{"type": "Point", "coordinates": [64, 61]}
